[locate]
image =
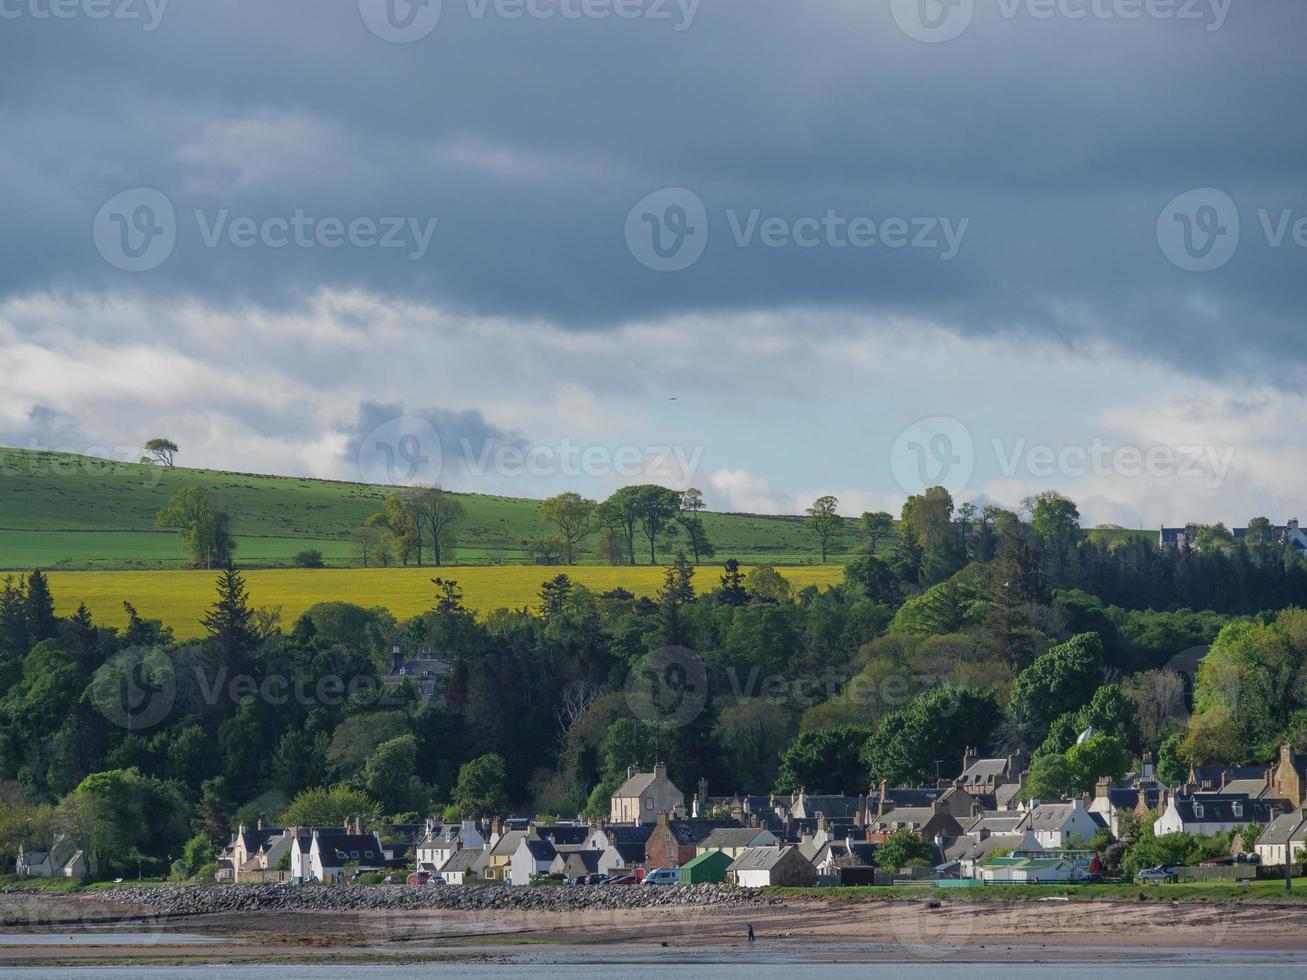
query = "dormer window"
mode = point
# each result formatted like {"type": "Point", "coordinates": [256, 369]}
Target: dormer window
{"type": "Point", "coordinates": [1198, 811]}
{"type": "Point", "coordinates": [1238, 809]}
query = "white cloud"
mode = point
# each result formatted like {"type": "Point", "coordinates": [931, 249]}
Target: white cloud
{"type": "Point", "coordinates": [767, 422]}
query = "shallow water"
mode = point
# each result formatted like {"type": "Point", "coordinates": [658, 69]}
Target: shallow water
{"type": "Point", "coordinates": [650, 971]}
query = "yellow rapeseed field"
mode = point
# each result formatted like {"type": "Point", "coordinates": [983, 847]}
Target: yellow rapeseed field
{"type": "Point", "coordinates": [180, 598]}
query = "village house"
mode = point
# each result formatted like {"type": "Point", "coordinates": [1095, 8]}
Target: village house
{"type": "Point", "coordinates": [734, 841]}
{"type": "Point", "coordinates": [1112, 802]}
{"type": "Point", "coordinates": [443, 841]}
{"type": "Point", "coordinates": [1289, 778]}
{"type": "Point", "coordinates": [970, 851]}
{"type": "Point", "coordinates": [985, 777]}
{"type": "Point", "coordinates": [329, 852]}
{"type": "Point", "coordinates": [772, 867]}
{"type": "Point", "coordinates": [621, 859]}
{"type": "Point", "coordinates": [603, 835]}
{"type": "Point", "coordinates": [1211, 814]}
{"type": "Point", "coordinates": [426, 674]}
{"type": "Point", "coordinates": [927, 823]}
{"type": "Point", "coordinates": [885, 798]}
{"type": "Point", "coordinates": [499, 856]}
{"type": "Point", "coordinates": [531, 859]}
{"type": "Point", "coordinates": [62, 859]}
{"type": "Point", "coordinates": [255, 855]}
{"type": "Point", "coordinates": [1055, 825]}
{"type": "Point", "coordinates": [675, 842]}
{"type": "Point", "coordinates": [463, 867]}
{"type": "Point", "coordinates": [1284, 839]}
{"type": "Point", "coordinates": [644, 796]}
{"type": "Point", "coordinates": [805, 807]}
{"type": "Point", "coordinates": [837, 857]}
{"type": "Point", "coordinates": [1187, 537]}
{"type": "Point", "coordinates": [574, 860]}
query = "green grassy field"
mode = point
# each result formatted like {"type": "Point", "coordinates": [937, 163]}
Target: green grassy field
{"type": "Point", "coordinates": [77, 512]}
{"type": "Point", "coordinates": [1265, 891]}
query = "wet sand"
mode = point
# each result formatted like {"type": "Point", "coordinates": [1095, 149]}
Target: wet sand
{"type": "Point", "coordinates": [798, 932]}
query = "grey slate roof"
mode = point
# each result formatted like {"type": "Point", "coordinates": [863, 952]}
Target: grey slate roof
{"type": "Point", "coordinates": [636, 784]}
{"type": "Point", "coordinates": [508, 843]}
{"type": "Point", "coordinates": [1284, 828]}
{"type": "Point", "coordinates": [540, 850]}
{"type": "Point", "coordinates": [759, 858]}
{"type": "Point", "coordinates": [464, 860]}
{"type": "Point", "coordinates": [732, 837]}
{"type": "Point", "coordinates": [1222, 809]}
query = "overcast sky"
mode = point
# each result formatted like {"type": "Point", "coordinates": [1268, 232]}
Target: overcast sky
{"type": "Point", "coordinates": [771, 249]}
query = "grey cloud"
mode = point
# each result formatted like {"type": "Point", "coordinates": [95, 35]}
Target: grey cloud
{"type": "Point", "coordinates": [1061, 141]}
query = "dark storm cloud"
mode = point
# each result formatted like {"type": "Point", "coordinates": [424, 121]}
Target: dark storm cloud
{"type": "Point", "coordinates": [1058, 141]}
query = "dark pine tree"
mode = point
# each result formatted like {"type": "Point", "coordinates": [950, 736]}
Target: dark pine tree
{"type": "Point", "coordinates": [230, 622]}
{"type": "Point", "coordinates": [41, 621]}
{"type": "Point", "coordinates": [732, 591]}
{"type": "Point", "coordinates": [83, 638]}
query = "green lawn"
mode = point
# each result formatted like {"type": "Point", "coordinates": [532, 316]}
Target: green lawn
{"type": "Point", "coordinates": [1114, 891]}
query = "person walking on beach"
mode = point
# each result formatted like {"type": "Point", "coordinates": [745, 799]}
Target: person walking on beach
{"type": "Point", "coordinates": [750, 928]}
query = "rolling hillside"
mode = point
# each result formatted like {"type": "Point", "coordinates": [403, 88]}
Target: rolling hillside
{"type": "Point", "coordinates": [76, 512]}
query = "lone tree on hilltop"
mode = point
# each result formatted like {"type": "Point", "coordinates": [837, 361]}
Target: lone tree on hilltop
{"type": "Point", "coordinates": [161, 451]}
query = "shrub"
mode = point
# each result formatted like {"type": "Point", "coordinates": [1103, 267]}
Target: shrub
{"type": "Point", "coordinates": [309, 559]}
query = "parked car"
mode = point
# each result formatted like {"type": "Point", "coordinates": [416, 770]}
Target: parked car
{"type": "Point", "coordinates": [1093, 878]}
{"type": "Point", "coordinates": [393, 880]}
{"type": "Point", "coordinates": [663, 876]}
{"type": "Point", "coordinates": [579, 881]}
{"type": "Point", "coordinates": [624, 880]}
{"type": "Point", "coordinates": [419, 878]}
{"type": "Point", "coordinates": [598, 879]}
{"type": "Point", "coordinates": [1155, 876]}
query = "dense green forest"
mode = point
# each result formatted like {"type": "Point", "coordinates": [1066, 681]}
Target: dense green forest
{"type": "Point", "coordinates": [974, 628]}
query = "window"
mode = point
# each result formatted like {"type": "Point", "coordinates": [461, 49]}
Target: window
{"type": "Point", "coordinates": [1238, 809]}
{"type": "Point", "coordinates": [354, 855]}
{"type": "Point", "coordinates": [648, 804]}
{"type": "Point", "coordinates": [1198, 811]}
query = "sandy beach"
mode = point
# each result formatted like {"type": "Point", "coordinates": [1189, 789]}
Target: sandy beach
{"type": "Point", "coordinates": [85, 930]}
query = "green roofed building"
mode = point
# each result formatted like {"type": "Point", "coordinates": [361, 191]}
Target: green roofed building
{"type": "Point", "coordinates": [708, 868]}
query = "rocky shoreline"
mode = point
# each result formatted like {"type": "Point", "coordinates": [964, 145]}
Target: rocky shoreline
{"type": "Point", "coordinates": [220, 899]}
